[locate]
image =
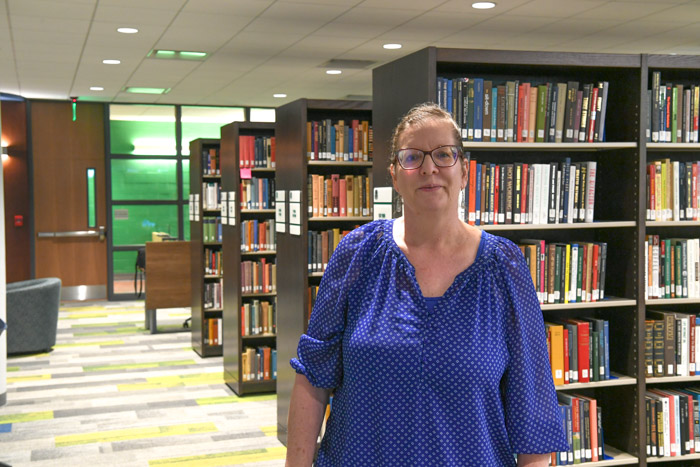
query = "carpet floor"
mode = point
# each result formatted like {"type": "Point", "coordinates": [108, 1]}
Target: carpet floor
{"type": "Point", "coordinates": [111, 393]}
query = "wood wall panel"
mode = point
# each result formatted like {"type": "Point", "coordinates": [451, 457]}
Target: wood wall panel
{"type": "Point", "coordinates": [16, 181]}
{"type": "Point", "coordinates": [63, 150]}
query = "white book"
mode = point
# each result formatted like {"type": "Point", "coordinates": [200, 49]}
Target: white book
{"type": "Point", "coordinates": [682, 369]}
{"type": "Point", "coordinates": [544, 194]}
{"type": "Point", "coordinates": [676, 191]}
{"type": "Point", "coordinates": [590, 190]}
{"type": "Point", "coordinates": [537, 193]}
{"type": "Point", "coordinates": [655, 270]}
{"type": "Point", "coordinates": [574, 271]}
{"type": "Point", "coordinates": [558, 197]}
{"type": "Point", "coordinates": [690, 261]}
{"type": "Point", "coordinates": [530, 194]}
{"type": "Point", "coordinates": [572, 187]}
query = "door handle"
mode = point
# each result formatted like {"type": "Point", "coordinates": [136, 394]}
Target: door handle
{"type": "Point", "coordinates": [101, 233]}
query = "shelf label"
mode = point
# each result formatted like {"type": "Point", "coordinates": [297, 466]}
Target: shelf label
{"type": "Point", "coordinates": [232, 208]}
{"type": "Point", "coordinates": [224, 208]}
{"type": "Point", "coordinates": [191, 207]}
{"type": "Point", "coordinates": [280, 211]}
{"type": "Point", "coordinates": [196, 207]}
{"type": "Point", "coordinates": [246, 174]}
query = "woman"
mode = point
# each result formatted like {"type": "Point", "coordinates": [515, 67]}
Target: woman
{"type": "Point", "coordinates": [428, 331]}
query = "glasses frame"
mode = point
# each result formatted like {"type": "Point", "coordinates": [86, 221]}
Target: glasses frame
{"type": "Point", "coordinates": [460, 152]}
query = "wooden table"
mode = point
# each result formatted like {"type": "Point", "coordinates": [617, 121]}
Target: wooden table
{"type": "Point", "coordinates": [167, 278]}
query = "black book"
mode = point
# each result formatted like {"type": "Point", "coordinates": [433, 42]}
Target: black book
{"type": "Point", "coordinates": [569, 113]}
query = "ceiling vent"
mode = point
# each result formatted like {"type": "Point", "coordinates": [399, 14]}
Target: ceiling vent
{"type": "Point", "coordinates": [347, 64]}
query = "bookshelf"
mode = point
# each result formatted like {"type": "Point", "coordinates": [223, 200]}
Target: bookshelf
{"type": "Point", "coordinates": [619, 204]}
{"type": "Point", "coordinates": [200, 244]}
{"type": "Point", "coordinates": [234, 296]}
{"type": "Point", "coordinates": [293, 170]}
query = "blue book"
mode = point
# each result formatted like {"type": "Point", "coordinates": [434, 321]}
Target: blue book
{"type": "Point", "coordinates": [351, 149]}
{"type": "Point", "coordinates": [477, 198]}
{"type": "Point", "coordinates": [494, 112]}
{"type": "Point", "coordinates": [448, 95]}
{"type": "Point", "coordinates": [273, 364]}
{"type": "Point", "coordinates": [478, 108]}
{"type": "Point", "coordinates": [333, 139]}
{"type": "Point", "coordinates": [310, 251]}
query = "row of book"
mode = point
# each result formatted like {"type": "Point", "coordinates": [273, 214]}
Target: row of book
{"type": "Point", "coordinates": [259, 276]}
{"type": "Point", "coordinates": [521, 193]}
{"type": "Point", "coordinates": [579, 350]}
{"type": "Point", "coordinates": [671, 267]}
{"type": "Point", "coordinates": [336, 196]}
{"type": "Point", "coordinates": [213, 261]}
{"type": "Point", "coordinates": [671, 344]}
{"type": "Point", "coordinates": [672, 422]}
{"type": "Point", "coordinates": [258, 235]}
{"type": "Point", "coordinates": [672, 191]}
{"type": "Point", "coordinates": [259, 364]}
{"type": "Point", "coordinates": [257, 193]}
{"type": "Point", "coordinates": [258, 317]}
{"type": "Point", "coordinates": [571, 272]}
{"type": "Point", "coordinates": [525, 112]}
{"type": "Point", "coordinates": [257, 152]}
{"type": "Point", "coordinates": [321, 246]}
{"type": "Point", "coordinates": [213, 295]}
{"type": "Point", "coordinates": [211, 196]}
{"type": "Point", "coordinates": [583, 422]}
{"type": "Point", "coordinates": [212, 332]}
{"type": "Point", "coordinates": [673, 111]}
{"type": "Point", "coordinates": [212, 230]}
{"type": "Point", "coordinates": [328, 141]}
{"type": "Point", "coordinates": [211, 161]}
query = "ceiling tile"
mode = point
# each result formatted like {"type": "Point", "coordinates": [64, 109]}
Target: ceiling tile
{"type": "Point", "coordinates": [160, 73]}
{"type": "Point", "coordinates": [230, 8]}
{"type": "Point", "coordinates": [201, 32]}
{"type": "Point", "coordinates": [461, 6]}
{"type": "Point", "coordinates": [51, 9]}
{"type": "Point", "coordinates": [301, 18]}
{"type": "Point", "coordinates": [623, 10]}
{"type": "Point", "coordinates": [138, 17]}
{"type": "Point", "coordinates": [687, 12]}
{"type": "Point", "coordinates": [555, 8]}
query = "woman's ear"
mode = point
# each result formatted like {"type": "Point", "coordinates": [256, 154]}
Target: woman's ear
{"type": "Point", "coordinates": [393, 176]}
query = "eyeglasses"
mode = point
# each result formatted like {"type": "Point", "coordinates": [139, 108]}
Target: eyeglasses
{"type": "Point", "coordinates": [443, 156]}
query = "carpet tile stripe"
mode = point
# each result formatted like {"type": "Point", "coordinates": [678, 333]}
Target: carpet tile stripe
{"type": "Point", "coordinates": [224, 458]}
{"type": "Point", "coordinates": [133, 433]}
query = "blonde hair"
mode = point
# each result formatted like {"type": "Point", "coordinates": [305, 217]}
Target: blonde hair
{"type": "Point", "coordinates": [418, 115]}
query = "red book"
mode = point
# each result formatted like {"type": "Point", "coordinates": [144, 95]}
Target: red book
{"type": "Point", "coordinates": [583, 349]}
{"type": "Point", "coordinates": [496, 188]}
{"type": "Point", "coordinates": [567, 367]}
{"type": "Point", "coordinates": [595, 266]}
{"type": "Point", "coordinates": [471, 214]}
{"type": "Point", "coordinates": [343, 197]}
{"type": "Point", "coordinates": [335, 195]}
{"type": "Point", "coordinates": [592, 114]}
{"type": "Point", "coordinates": [521, 107]}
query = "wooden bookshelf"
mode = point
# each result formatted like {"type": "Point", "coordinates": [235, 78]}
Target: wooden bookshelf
{"type": "Point", "coordinates": [200, 315]}
{"type": "Point", "coordinates": [234, 342]}
{"type": "Point", "coordinates": [619, 204]}
{"type": "Point", "coordinates": [292, 251]}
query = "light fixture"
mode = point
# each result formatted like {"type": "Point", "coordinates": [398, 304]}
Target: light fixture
{"type": "Point", "coordinates": [96, 88]}
{"type": "Point", "coordinates": [333, 72]}
{"type": "Point", "coordinates": [143, 90]}
{"type": "Point", "coordinates": [177, 54]}
{"type": "Point", "coordinates": [392, 46]}
{"type": "Point", "coordinates": [111, 62]}
{"type": "Point", "coordinates": [279, 95]}
{"type": "Point", "coordinates": [5, 153]}
{"type": "Point", "coordinates": [483, 5]}
{"type": "Point", "coordinates": [127, 30]}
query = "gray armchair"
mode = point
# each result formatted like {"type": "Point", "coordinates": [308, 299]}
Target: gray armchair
{"type": "Point", "coordinates": [32, 315]}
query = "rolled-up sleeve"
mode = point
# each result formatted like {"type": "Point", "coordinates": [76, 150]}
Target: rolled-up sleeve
{"type": "Point", "coordinates": [319, 353]}
{"type": "Point", "coordinates": [533, 417]}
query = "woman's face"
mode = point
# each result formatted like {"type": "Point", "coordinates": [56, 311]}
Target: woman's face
{"type": "Point", "coordinates": [429, 188]}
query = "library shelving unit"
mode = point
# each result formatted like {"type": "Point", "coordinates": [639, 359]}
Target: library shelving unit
{"type": "Point", "coordinates": [619, 203]}
{"type": "Point", "coordinates": [200, 280]}
{"type": "Point", "coordinates": [294, 279]}
{"type": "Point", "coordinates": [234, 297]}
{"type": "Point", "coordinates": [676, 69]}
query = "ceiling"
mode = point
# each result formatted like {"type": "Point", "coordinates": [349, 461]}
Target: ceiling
{"type": "Point", "coordinates": [53, 49]}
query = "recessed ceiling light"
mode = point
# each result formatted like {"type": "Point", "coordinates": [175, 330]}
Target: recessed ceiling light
{"type": "Point", "coordinates": [483, 5]}
{"type": "Point", "coordinates": [111, 62]}
{"type": "Point", "coordinates": [333, 72]}
{"type": "Point", "coordinates": [127, 30]}
{"type": "Point", "coordinates": [392, 46]}
{"type": "Point", "coordinates": [96, 88]}
{"type": "Point", "coordinates": [279, 95]}
{"type": "Point", "coordinates": [142, 90]}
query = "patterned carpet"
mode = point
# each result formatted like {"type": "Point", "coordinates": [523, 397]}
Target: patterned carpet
{"type": "Point", "coordinates": [110, 393]}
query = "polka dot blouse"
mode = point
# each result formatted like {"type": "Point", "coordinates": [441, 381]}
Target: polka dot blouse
{"type": "Point", "coordinates": [467, 383]}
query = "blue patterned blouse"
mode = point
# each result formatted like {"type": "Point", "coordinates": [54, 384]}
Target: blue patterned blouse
{"type": "Point", "coordinates": [466, 384]}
